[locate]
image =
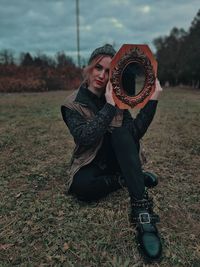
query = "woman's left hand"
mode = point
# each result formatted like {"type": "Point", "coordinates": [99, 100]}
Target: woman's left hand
{"type": "Point", "coordinates": [109, 94]}
{"type": "Point", "coordinates": [157, 92]}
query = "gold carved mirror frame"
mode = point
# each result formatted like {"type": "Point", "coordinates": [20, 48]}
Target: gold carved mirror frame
{"type": "Point", "coordinates": [128, 55]}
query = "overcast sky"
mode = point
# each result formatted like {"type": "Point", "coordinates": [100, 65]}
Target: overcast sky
{"type": "Point", "coordinates": [49, 26]}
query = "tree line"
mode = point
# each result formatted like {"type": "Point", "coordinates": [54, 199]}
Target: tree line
{"type": "Point", "coordinates": [41, 59]}
{"type": "Point", "coordinates": [37, 73]}
{"type": "Point", "coordinates": [178, 56]}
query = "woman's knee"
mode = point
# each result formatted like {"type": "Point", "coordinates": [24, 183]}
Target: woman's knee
{"type": "Point", "coordinates": [122, 139]}
{"type": "Point", "coordinates": [120, 131]}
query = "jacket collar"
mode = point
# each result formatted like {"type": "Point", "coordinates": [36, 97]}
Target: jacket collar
{"type": "Point", "coordinates": [86, 98]}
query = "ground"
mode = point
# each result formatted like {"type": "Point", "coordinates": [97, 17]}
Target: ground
{"type": "Point", "coordinates": [41, 226]}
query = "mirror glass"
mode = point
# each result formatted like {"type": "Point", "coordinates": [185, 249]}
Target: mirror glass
{"type": "Point", "coordinates": [133, 78]}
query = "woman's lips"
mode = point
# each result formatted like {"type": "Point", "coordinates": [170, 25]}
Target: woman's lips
{"type": "Point", "coordinates": [99, 82]}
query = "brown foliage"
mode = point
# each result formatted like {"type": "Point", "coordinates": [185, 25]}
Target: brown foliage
{"type": "Point", "coordinates": [38, 79]}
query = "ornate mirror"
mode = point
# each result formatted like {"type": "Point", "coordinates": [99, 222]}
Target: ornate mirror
{"type": "Point", "coordinates": [132, 74]}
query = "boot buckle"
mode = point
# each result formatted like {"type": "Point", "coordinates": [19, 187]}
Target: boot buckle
{"type": "Point", "coordinates": [144, 217]}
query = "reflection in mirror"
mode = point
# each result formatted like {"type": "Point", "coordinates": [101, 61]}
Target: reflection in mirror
{"type": "Point", "coordinates": [133, 78]}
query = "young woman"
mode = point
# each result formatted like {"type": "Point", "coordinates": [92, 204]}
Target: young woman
{"type": "Point", "coordinates": [107, 148]}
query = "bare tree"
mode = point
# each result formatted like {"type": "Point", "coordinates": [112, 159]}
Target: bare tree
{"type": "Point", "coordinates": [6, 57]}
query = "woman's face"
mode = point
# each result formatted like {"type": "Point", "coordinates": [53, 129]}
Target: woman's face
{"type": "Point", "coordinates": [99, 75]}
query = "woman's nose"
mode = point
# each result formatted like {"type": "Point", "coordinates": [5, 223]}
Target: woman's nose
{"type": "Point", "coordinates": [101, 74]}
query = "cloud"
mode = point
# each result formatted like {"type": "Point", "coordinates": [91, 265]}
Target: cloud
{"type": "Point", "coordinates": [145, 9]}
{"type": "Point", "coordinates": [115, 22]}
{"type": "Point", "coordinates": [120, 2]}
{"type": "Point", "coordinates": [50, 25]}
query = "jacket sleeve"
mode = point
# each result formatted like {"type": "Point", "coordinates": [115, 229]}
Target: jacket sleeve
{"type": "Point", "coordinates": [88, 132]}
{"type": "Point", "coordinates": [140, 124]}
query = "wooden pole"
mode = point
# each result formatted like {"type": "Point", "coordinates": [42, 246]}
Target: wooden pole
{"type": "Point", "coordinates": [77, 33]}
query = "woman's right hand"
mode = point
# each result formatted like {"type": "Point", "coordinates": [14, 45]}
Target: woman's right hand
{"type": "Point", "coordinates": [109, 94]}
{"type": "Point", "coordinates": [157, 92]}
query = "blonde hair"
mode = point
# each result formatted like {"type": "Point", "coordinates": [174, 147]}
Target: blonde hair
{"type": "Point", "coordinates": [88, 69]}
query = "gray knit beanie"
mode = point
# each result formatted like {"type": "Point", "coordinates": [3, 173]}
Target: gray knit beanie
{"type": "Point", "coordinates": [107, 49]}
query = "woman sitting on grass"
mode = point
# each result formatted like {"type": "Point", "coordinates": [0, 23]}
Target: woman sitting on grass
{"type": "Point", "coordinates": [106, 155]}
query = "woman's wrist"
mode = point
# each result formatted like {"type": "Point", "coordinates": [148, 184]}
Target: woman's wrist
{"type": "Point", "coordinates": [155, 96]}
{"type": "Point", "coordinates": [111, 103]}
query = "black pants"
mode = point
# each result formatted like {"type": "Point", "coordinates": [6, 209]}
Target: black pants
{"type": "Point", "coordinates": [92, 182]}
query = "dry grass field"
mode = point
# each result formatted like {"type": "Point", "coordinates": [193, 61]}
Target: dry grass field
{"type": "Point", "coordinates": [41, 226]}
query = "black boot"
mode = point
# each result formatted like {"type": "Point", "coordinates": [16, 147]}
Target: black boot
{"type": "Point", "coordinates": [144, 219]}
{"type": "Point", "coordinates": [150, 180]}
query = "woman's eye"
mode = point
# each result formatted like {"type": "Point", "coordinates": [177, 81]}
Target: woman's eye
{"type": "Point", "coordinates": [98, 67]}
